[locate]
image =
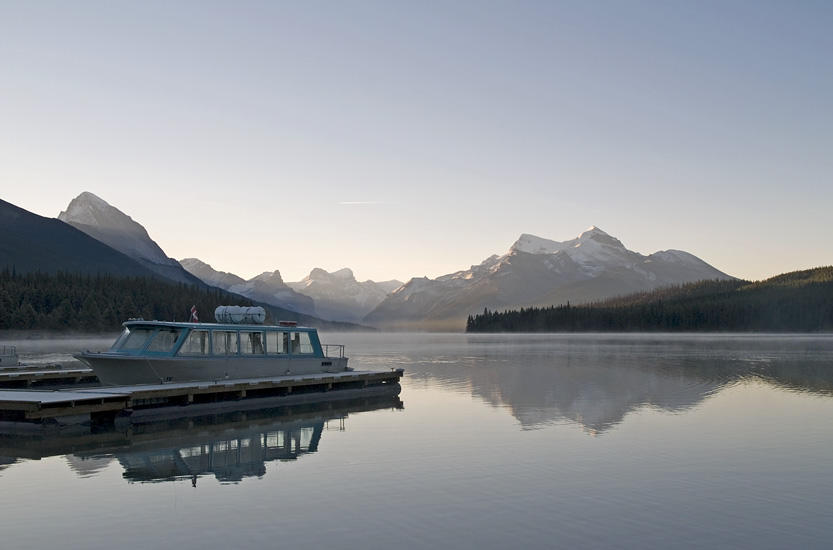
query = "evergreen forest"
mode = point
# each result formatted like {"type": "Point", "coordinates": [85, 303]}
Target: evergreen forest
{"type": "Point", "coordinates": [801, 301]}
{"type": "Point", "coordinates": [86, 302]}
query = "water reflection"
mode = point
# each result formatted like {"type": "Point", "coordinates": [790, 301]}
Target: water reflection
{"type": "Point", "coordinates": [230, 457]}
{"type": "Point", "coordinates": [230, 446]}
{"type": "Point", "coordinates": [597, 382]}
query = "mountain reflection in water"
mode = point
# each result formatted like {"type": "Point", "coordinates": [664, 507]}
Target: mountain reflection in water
{"type": "Point", "coordinates": [596, 381]}
{"type": "Point", "coordinates": [229, 446]}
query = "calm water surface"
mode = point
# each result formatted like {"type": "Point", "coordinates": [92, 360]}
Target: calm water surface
{"type": "Point", "coordinates": [496, 441]}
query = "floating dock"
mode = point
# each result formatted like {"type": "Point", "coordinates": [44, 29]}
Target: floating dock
{"type": "Point", "coordinates": [52, 375]}
{"type": "Point", "coordinates": [102, 405]}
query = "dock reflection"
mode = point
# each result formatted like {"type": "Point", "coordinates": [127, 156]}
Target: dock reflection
{"type": "Point", "coordinates": [230, 446]}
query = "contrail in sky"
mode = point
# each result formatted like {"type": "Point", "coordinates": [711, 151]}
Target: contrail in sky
{"type": "Point", "coordinates": [362, 203]}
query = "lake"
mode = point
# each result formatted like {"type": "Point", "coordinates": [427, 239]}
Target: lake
{"type": "Point", "coordinates": [496, 441]}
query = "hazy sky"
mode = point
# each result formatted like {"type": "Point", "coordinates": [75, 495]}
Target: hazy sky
{"type": "Point", "coordinates": [416, 138]}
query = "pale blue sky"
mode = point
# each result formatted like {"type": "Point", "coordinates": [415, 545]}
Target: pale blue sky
{"type": "Point", "coordinates": [251, 134]}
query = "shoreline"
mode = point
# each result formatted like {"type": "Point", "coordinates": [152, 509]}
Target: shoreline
{"type": "Point", "coordinates": [41, 334]}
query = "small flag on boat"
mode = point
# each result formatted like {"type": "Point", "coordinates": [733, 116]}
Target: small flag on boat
{"type": "Point", "coordinates": [194, 318]}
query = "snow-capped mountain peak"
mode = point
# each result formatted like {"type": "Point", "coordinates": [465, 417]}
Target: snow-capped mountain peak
{"type": "Point", "coordinates": [592, 230]}
{"type": "Point", "coordinates": [532, 244]}
{"type": "Point", "coordinates": [596, 235]}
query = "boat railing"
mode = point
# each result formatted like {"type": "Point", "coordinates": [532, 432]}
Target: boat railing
{"type": "Point", "coordinates": [337, 350]}
{"type": "Point", "coordinates": [8, 357]}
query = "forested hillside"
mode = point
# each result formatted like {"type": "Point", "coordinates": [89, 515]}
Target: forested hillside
{"type": "Point", "coordinates": [84, 302]}
{"type": "Point", "coordinates": [798, 301]}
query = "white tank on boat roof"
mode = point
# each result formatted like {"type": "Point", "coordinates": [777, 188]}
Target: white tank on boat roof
{"type": "Point", "coordinates": [240, 315]}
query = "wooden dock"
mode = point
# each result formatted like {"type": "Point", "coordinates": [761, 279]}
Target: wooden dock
{"type": "Point", "coordinates": [102, 405]}
{"type": "Point", "coordinates": [28, 377]}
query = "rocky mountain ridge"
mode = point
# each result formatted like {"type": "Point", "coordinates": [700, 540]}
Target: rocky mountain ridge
{"type": "Point", "coordinates": [267, 287]}
{"type": "Point", "coordinates": [338, 295]}
{"type": "Point", "coordinates": [109, 225]}
{"type": "Point", "coordinates": [537, 271]}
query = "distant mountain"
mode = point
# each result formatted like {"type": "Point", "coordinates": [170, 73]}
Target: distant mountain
{"type": "Point", "coordinates": [267, 287]}
{"type": "Point", "coordinates": [106, 223]}
{"type": "Point", "coordinates": [29, 243]}
{"type": "Point", "coordinates": [270, 288]}
{"type": "Point", "coordinates": [801, 301]}
{"type": "Point", "coordinates": [338, 295]}
{"type": "Point", "coordinates": [537, 271]}
{"type": "Point", "coordinates": [209, 275]}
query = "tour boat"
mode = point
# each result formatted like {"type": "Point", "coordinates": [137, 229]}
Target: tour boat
{"type": "Point", "coordinates": [154, 352]}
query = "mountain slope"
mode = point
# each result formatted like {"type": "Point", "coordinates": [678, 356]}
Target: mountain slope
{"type": "Point", "coordinates": [209, 275]}
{"type": "Point", "coordinates": [338, 295]}
{"type": "Point", "coordinates": [537, 271]}
{"type": "Point", "coordinates": [106, 223]}
{"type": "Point", "coordinates": [29, 242]}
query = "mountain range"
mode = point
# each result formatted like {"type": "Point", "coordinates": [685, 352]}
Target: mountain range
{"type": "Point", "coordinates": [537, 271]}
{"type": "Point", "coordinates": [334, 296]}
{"type": "Point", "coordinates": [534, 271]}
{"type": "Point", "coordinates": [266, 287]}
{"type": "Point", "coordinates": [34, 244]}
{"type": "Point", "coordinates": [338, 295]}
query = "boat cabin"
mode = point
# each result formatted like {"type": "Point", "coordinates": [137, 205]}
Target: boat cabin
{"type": "Point", "coordinates": [160, 338]}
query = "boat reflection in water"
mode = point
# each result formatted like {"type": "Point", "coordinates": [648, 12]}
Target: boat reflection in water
{"type": "Point", "coordinates": [230, 446]}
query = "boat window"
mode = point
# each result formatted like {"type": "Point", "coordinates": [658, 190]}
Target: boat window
{"type": "Point", "coordinates": [120, 340]}
{"type": "Point", "coordinates": [224, 342]}
{"type": "Point", "coordinates": [164, 340]}
{"type": "Point", "coordinates": [301, 343]}
{"type": "Point", "coordinates": [195, 344]}
{"type": "Point", "coordinates": [276, 342]}
{"type": "Point", "coordinates": [134, 339]}
{"type": "Point", "coordinates": [251, 343]}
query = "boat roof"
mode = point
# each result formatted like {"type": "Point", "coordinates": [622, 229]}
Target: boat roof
{"type": "Point", "coordinates": [221, 326]}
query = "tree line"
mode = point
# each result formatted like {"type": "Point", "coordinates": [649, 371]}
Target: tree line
{"type": "Point", "coordinates": [801, 301]}
{"type": "Point", "coordinates": [72, 301]}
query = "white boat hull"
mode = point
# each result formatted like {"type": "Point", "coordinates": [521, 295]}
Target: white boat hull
{"type": "Point", "coordinates": [120, 370]}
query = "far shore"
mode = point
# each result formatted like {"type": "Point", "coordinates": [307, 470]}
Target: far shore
{"type": "Point", "coordinates": [10, 336]}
